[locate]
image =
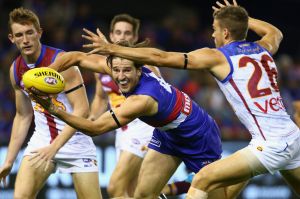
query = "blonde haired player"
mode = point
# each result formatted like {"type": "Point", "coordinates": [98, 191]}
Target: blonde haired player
{"type": "Point", "coordinates": [65, 149]}
{"type": "Point", "coordinates": [246, 73]}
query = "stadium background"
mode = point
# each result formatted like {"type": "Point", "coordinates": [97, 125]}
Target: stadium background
{"type": "Point", "coordinates": [174, 25]}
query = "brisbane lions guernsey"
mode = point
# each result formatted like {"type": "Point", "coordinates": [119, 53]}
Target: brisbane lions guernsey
{"type": "Point", "coordinates": [252, 90]}
{"type": "Point", "coordinates": [47, 125]}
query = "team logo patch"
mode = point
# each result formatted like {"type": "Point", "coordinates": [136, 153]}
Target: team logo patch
{"type": "Point", "coordinates": [135, 141]}
{"type": "Point", "coordinates": [50, 80]}
{"type": "Point", "coordinates": [155, 142]}
{"type": "Point", "coordinates": [259, 148]}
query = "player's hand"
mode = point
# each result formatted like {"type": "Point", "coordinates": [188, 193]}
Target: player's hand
{"type": "Point", "coordinates": [43, 157]}
{"type": "Point", "coordinates": [46, 101]}
{"type": "Point", "coordinates": [226, 3]}
{"type": "Point", "coordinates": [99, 43]}
{"type": "Point", "coordinates": [4, 172]}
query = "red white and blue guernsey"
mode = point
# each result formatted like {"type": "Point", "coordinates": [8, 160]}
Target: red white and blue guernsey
{"type": "Point", "coordinates": [182, 128]}
{"type": "Point", "coordinates": [129, 137]}
{"type": "Point", "coordinates": [251, 89]}
{"type": "Point", "coordinates": [47, 126]}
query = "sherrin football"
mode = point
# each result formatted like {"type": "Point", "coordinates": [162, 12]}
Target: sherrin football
{"type": "Point", "coordinates": [44, 79]}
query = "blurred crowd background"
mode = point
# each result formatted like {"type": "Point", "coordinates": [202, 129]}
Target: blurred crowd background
{"type": "Point", "coordinates": [171, 25]}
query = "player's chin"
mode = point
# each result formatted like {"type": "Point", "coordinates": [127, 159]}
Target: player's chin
{"type": "Point", "coordinates": [27, 52]}
{"type": "Point", "coordinates": [125, 90]}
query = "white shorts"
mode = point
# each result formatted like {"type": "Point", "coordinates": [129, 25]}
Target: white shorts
{"type": "Point", "coordinates": [278, 154]}
{"type": "Point", "coordinates": [74, 157]}
{"type": "Point", "coordinates": [133, 137]}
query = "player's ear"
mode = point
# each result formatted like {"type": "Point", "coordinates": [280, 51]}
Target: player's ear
{"type": "Point", "coordinates": [11, 38]}
{"type": "Point", "coordinates": [135, 39]}
{"type": "Point", "coordinates": [111, 37]}
{"type": "Point", "coordinates": [139, 71]}
{"type": "Point", "coordinates": [40, 32]}
{"type": "Point", "coordinates": [226, 33]}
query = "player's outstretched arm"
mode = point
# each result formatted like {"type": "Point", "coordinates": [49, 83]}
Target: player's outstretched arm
{"type": "Point", "coordinates": [96, 63]}
{"type": "Point", "coordinates": [132, 108]}
{"type": "Point", "coordinates": [199, 59]}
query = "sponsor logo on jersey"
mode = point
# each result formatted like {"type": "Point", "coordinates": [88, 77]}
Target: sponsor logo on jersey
{"type": "Point", "coordinates": [187, 104]}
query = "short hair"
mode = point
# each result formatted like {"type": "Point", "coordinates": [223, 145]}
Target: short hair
{"type": "Point", "coordinates": [127, 18]}
{"type": "Point", "coordinates": [235, 19]}
{"type": "Point", "coordinates": [23, 16]}
{"type": "Point", "coordinates": [125, 43]}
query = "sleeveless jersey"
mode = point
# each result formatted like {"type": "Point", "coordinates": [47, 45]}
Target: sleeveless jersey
{"type": "Point", "coordinates": [251, 89]}
{"type": "Point", "coordinates": [46, 124]}
{"type": "Point", "coordinates": [176, 111]}
{"type": "Point", "coordinates": [111, 88]}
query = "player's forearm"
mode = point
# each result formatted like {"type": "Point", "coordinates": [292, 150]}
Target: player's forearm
{"type": "Point", "coordinates": [263, 28]}
{"type": "Point", "coordinates": [68, 131]}
{"type": "Point", "coordinates": [91, 128]}
{"type": "Point", "coordinates": [18, 135]}
{"type": "Point", "coordinates": [151, 56]}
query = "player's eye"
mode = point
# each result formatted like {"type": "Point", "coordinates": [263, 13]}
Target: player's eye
{"type": "Point", "coordinates": [18, 35]}
{"type": "Point", "coordinates": [30, 32]}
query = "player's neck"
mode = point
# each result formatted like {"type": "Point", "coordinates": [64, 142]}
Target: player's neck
{"type": "Point", "coordinates": [31, 59]}
{"type": "Point", "coordinates": [231, 41]}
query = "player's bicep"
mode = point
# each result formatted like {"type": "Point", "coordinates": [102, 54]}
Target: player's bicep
{"type": "Point", "coordinates": [270, 46]}
{"type": "Point", "coordinates": [75, 89]}
{"type": "Point", "coordinates": [271, 41]}
{"type": "Point", "coordinates": [134, 107]}
{"type": "Point", "coordinates": [95, 63]}
{"type": "Point", "coordinates": [23, 104]}
{"type": "Point", "coordinates": [203, 58]}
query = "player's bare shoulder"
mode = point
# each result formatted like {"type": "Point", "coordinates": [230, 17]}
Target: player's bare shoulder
{"type": "Point", "coordinates": [205, 58]}
{"type": "Point", "coordinates": [12, 77]}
